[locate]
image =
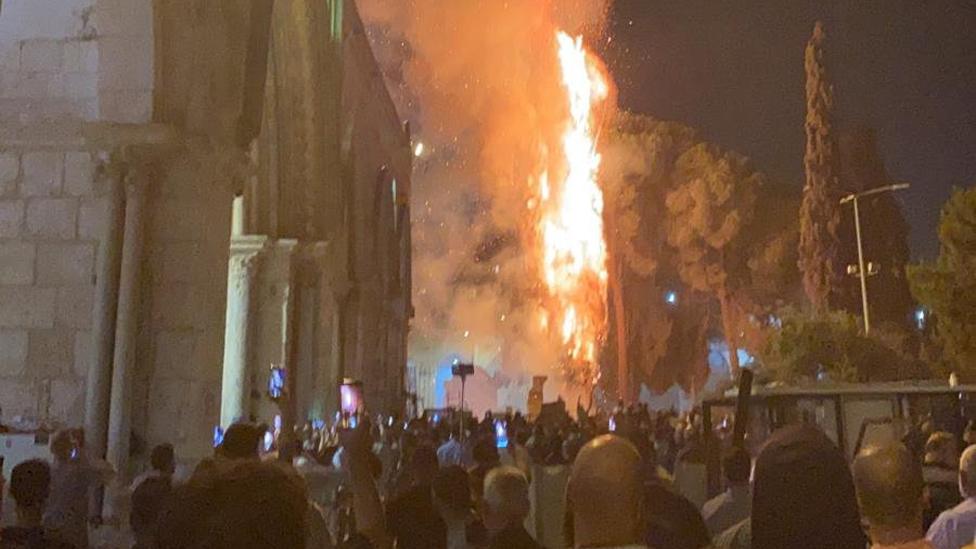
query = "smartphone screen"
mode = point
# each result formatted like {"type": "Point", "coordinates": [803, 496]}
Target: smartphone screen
{"type": "Point", "coordinates": [501, 434]}
{"type": "Point", "coordinates": [276, 382]}
{"type": "Point", "coordinates": [612, 424]}
{"type": "Point", "coordinates": [218, 436]}
{"type": "Point", "coordinates": [350, 398]}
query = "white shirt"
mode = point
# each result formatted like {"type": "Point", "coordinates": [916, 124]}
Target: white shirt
{"type": "Point", "coordinates": [954, 528]}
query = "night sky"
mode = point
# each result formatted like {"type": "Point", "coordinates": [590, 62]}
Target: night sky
{"type": "Point", "coordinates": [734, 71]}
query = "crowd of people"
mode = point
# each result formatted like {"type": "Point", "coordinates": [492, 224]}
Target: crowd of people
{"type": "Point", "coordinates": [450, 482]}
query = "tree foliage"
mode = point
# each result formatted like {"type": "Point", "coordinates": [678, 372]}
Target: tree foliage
{"type": "Point", "coordinates": [819, 212]}
{"type": "Point", "coordinates": [812, 346]}
{"type": "Point", "coordinates": [646, 161]}
{"type": "Point", "coordinates": [884, 234]}
{"type": "Point", "coordinates": [712, 202]}
{"type": "Point", "coordinates": [947, 288]}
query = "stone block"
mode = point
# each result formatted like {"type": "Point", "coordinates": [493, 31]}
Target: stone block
{"type": "Point", "coordinates": [42, 173]}
{"type": "Point", "coordinates": [185, 220]}
{"type": "Point", "coordinates": [80, 85]}
{"type": "Point", "coordinates": [65, 264]}
{"type": "Point", "coordinates": [183, 412]}
{"type": "Point", "coordinates": [174, 354]}
{"type": "Point", "coordinates": [81, 56]}
{"type": "Point", "coordinates": [67, 400]}
{"type": "Point", "coordinates": [26, 307]}
{"type": "Point", "coordinates": [41, 55]}
{"type": "Point", "coordinates": [23, 19]}
{"type": "Point", "coordinates": [74, 306]}
{"type": "Point", "coordinates": [19, 397]}
{"type": "Point", "coordinates": [125, 106]}
{"type": "Point", "coordinates": [11, 218]}
{"type": "Point", "coordinates": [79, 173]}
{"type": "Point", "coordinates": [9, 56]}
{"type": "Point", "coordinates": [13, 352]}
{"type": "Point", "coordinates": [50, 352]}
{"type": "Point", "coordinates": [183, 262]}
{"type": "Point", "coordinates": [52, 218]}
{"type": "Point", "coordinates": [9, 170]}
{"type": "Point", "coordinates": [83, 351]}
{"type": "Point", "coordinates": [179, 306]}
{"type": "Point", "coordinates": [92, 217]}
{"type": "Point", "coordinates": [124, 17]}
{"type": "Point", "coordinates": [16, 262]}
{"type": "Point", "coordinates": [32, 86]}
{"type": "Point", "coordinates": [126, 62]}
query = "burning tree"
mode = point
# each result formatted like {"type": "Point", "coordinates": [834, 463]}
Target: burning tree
{"type": "Point", "coordinates": [573, 252]}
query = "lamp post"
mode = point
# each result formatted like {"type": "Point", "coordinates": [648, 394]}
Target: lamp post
{"type": "Point", "coordinates": [861, 271]}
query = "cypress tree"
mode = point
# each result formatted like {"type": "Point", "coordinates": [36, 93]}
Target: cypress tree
{"type": "Point", "coordinates": [819, 211]}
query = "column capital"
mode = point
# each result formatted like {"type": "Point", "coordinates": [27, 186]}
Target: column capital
{"type": "Point", "coordinates": [247, 251]}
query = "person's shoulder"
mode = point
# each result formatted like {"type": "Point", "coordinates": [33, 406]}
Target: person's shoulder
{"type": "Point", "coordinates": [738, 536]}
{"type": "Point", "coordinates": [714, 504]}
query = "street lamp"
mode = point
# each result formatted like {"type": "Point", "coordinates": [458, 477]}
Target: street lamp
{"type": "Point", "coordinates": [861, 271]}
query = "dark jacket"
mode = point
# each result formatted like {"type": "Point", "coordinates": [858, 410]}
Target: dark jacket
{"type": "Point", "coordinates": [514, 537]}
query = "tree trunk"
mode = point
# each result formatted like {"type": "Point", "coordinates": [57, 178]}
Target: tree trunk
{"type": "Point", "coordinates": [620, 325]}
{"type": "Point", "coordinates": [731, 332]}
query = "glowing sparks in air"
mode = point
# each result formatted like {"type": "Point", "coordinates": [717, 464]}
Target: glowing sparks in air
{"type": "Point", "coordinates": [574, 252]}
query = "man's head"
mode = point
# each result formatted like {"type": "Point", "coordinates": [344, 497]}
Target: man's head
{"type": "Point", "coordinates": [162, 459]}
{"type": "Point", "coordinates": [736, 465]}
{"type": "Point", "coordinates": [941, 449]}
{"type": "Point", "coordinates": [506, 498]}
{"type": "Point", "coordinates": [241, 441]}
{"type": "Point", "coordinates": [423, 464]}
{"type": "Point", "coordinates": [604, 494]}
{"type": "Point", "coordinates": [30, 485]}
{"type": "Point", "coordinates": [967, 472]}
{"type": "Point", "coordinates": [451, 489]}
{"type": "Point", "coordinates": [890, 490]}
{"type": "Point", "coordinates": [148, 500]}
{"type": "Point", "coordinates": [236, 504]}
{"type": "Point", "coordinates": [63, 444]}
{"type": "Point", "coordinates": [803, 494]}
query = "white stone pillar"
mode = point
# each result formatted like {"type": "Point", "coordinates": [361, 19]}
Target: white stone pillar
{"type": "Point", "coordinates": [127, 325]}
{"type": "Point", "coordinates": [242, 272]}
{"type": "Point", "coordinates": [98, 389]}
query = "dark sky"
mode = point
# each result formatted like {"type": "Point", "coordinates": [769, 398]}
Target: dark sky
{"type": "Point", "coordinates": [734, 70]}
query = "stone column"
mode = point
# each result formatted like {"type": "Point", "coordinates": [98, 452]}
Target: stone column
{"type": "Point", "coordinates": [127, 324]}
{"type": "Point", "coordinates": [98, 389]}
{"type": "Point", "coordinates": [242, 272]}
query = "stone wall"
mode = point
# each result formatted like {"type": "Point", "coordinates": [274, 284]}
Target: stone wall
{"type": "Point", "coordinates": [80, 59]}
{"type": "Point", "coordinates": [378, 178]}
{"type": "Point", "coordinates": [50, 216]}
{"type": "Point", "coordinates": [180, 346]}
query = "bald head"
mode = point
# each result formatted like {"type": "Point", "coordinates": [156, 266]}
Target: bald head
{"type": "Point", "coordinates": [506, 499]}
{"type": "Point", "coordinates": [889, 487]}
{"type": "Point", "coordinates": [604, 493]}
{"type": "Point", "coordinates": [967, 472]}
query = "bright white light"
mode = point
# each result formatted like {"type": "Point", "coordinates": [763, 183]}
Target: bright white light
{"type": "Point", "coordinates": [418, 149]}
{"type": "Point", "coordinates": [671, 297]}
{"type": "Point", "coordinates": [920, 318]}
{"type": "Point", "coordinates": [466, 334]}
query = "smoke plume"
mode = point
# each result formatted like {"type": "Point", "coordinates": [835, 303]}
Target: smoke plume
{"type": "Point", "coordinates": [479, 81]}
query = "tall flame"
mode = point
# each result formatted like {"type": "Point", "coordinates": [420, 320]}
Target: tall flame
{"type": "Point", "coordinates": [574, 253]}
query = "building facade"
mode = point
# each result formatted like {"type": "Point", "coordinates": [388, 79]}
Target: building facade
{"type": "Point", "coordinates": [191, 191]}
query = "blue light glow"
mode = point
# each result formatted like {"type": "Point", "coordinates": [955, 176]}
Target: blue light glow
{"type": "Point", "coordinates": [671, 297]}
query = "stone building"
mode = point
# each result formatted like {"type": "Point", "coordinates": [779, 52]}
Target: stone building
{"type": "Point", "coordinates": [191, 191]}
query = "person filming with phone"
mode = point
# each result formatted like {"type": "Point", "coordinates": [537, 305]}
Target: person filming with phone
{"type": "Point", "coordinates": [73, 476]}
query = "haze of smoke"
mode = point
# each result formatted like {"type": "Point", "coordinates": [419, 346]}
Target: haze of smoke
{"type": "Point", "coordinates": [479, 81]}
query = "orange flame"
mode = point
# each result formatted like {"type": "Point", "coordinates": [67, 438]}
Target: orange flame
{"type": "Point", "coordinates": [574, 252]}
